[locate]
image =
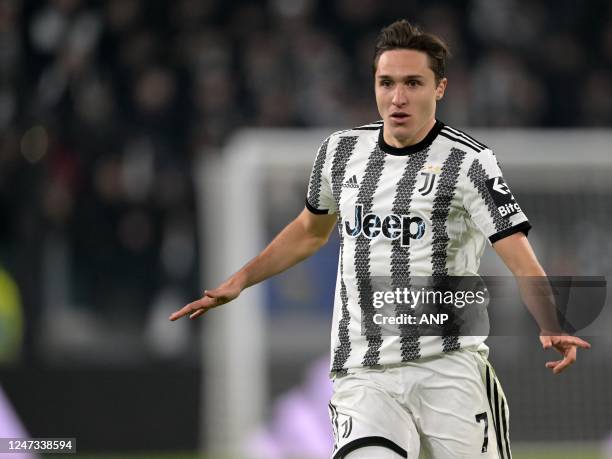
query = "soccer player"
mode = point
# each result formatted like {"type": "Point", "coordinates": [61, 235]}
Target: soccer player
{"type": "Point", "coordinates": [411, 197]}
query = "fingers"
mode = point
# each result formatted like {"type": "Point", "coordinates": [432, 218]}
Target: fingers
{"type": "Point", "coordinates": [560, 365]}
{"type": "Point", "coordinates": [563, 341]}
{"type": "Point", "coordinates": [212, 293]}
{"type": "Point", "coordinates": [198, 313]}
{"type": "Point", "coordinates": [579, 342]}
{"type": "Point", "coordinates": [546, 342]}
{"type": "Point", "coordinates": [203, 304]}
{"type": "Point", "coordinates": [178, 314]}
{"type": "Point", "coordinates": [566, 340]}
{"type": "Point", "coordinates": [566, 345]}
{"type": "Point", "coordinates": [211, 299]}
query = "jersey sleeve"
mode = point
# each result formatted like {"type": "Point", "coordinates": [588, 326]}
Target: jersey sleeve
{"type": "Point", "coordinates": [319, 198]}
{"type": "Point", "coordinates": [489, 201]}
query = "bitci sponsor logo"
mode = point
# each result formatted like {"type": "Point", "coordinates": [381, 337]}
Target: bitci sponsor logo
{"type": "Point", "coordinates": [509, 209]}
{"type": "Point", "coordinates": [502, 197]}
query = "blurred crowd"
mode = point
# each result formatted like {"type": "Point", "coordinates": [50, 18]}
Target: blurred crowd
{"type": "Point", "coordinates": [105, 106]}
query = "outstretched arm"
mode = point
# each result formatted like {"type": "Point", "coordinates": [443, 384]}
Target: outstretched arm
{"type": "Point", "coordinates": [517, 254]}
{"type": "Point", "coordinates": [296, 242]}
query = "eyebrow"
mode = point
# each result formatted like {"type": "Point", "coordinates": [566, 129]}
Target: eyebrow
{"type": "Point", "coordinates": [406, 77]}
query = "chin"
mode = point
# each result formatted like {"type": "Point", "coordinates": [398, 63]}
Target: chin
{"type": "Point", "coordinates": [401, 133]}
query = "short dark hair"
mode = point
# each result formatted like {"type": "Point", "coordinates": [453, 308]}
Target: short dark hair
{"type": "Point", "coordinates": [403, 35]}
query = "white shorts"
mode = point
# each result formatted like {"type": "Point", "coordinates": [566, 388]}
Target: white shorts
{"type": "Point", "coordinates": [448, 406]}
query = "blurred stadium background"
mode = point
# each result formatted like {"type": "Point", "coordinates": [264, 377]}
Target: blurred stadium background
{"type": "Point", "coordinates": [122, 127]}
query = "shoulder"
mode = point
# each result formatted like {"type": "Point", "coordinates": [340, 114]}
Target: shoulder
{"type": "Point", "coordinates": [345, 141]}
{"type": "Point", "coordinates": [370, 129]}
{"type": "Point", "coordinates": [463, 141]}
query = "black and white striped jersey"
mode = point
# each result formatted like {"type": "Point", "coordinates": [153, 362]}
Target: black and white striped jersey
{"type": "Point", "coordinates": [422, 210]}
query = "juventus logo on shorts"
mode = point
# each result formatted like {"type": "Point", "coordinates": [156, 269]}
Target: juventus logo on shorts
{"type": "Point", "coordinates": [342, 424]}
{"type": "Point", "coordinates": [430, 179]}
{"type": "Point", "coordinates": [347, 427]}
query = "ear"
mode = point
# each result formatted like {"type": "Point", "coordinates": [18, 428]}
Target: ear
{"type": "Point", "coordinates": [441, 88]}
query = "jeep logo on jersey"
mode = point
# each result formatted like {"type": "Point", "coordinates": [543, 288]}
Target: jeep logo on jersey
{"type": "Point", "coordinates": [403, 227]}
{"type": "Point", "coordinates": [502, 197]}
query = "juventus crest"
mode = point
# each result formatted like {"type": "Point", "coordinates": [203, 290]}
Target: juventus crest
{"type": "Point", "coordinates": [430, 173]}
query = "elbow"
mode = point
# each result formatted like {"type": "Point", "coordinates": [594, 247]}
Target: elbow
{"type": "Point", "coordinates": [319, 241]}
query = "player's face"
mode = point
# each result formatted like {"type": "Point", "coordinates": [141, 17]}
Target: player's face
{"type": "Point", "coordinates": [406, 95]}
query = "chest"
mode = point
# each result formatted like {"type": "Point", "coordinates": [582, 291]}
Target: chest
{"type": "Point", "coordinates": [397, 186]}
{"type": "Point", "coordinates": [398, 198]}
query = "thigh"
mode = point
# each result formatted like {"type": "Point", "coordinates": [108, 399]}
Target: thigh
{"type": "Point", "coordinates": [462, 411]}
{"type": "Point", "coordinates": [364, 414]}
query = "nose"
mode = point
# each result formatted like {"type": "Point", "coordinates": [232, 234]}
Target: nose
{"type": "Point", "coordinates": [400, 97]}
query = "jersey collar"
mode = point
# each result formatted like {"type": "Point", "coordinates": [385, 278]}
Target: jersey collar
{"type": "Point", "coordinates": [426, 142]}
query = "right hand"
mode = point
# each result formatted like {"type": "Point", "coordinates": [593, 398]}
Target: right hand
{"type": "Point", "coordinates": [225, 293]}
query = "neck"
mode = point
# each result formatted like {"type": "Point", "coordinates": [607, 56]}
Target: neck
{"type": "Point", "coordinates": [406, 142]}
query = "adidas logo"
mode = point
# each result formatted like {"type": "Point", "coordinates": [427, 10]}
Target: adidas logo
{"type": "Point", "coordinates": [351, 183]}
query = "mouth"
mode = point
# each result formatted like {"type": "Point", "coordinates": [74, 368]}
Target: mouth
{"type": "Point", "coordinates": [399, 116]}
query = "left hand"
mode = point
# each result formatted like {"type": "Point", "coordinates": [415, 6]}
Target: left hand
{"type": "Point", "coordinates": [567, 347]}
